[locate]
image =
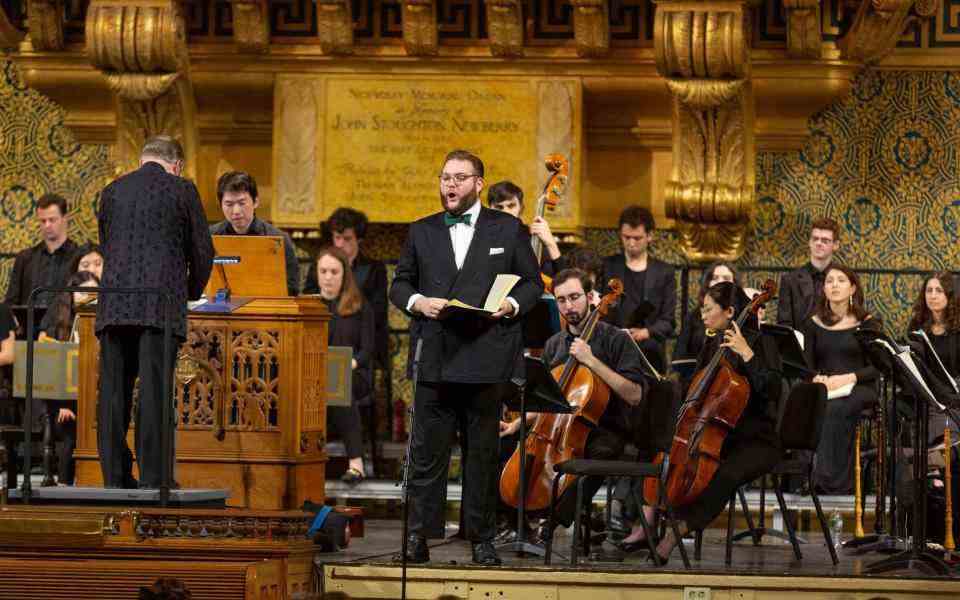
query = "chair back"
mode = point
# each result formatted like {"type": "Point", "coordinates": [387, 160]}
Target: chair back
{"type": "Point", "coordinates": [656, 419]}
{"type": "Point", "coordinates": [802, 416]}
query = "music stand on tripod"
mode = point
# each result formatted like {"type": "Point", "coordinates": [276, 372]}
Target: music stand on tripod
{"type": "Point", "coordinates": [540, 393]}
{"type": "Point", "coordinates": [917, 556]}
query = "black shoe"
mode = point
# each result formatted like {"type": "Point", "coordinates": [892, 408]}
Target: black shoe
{"type": "Point", "coordinates": [485, 554]}
{"type": "Point", "coordinates": [417, 551]}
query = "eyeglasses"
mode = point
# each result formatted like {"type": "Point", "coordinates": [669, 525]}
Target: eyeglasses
{"type": "Point", "coordinates": [571, 299]}
{"type": "Point", "coordinates": [459, 178]}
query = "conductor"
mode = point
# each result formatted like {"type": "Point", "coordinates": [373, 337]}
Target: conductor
{"type": "Point", "coordinates": [154, 235]}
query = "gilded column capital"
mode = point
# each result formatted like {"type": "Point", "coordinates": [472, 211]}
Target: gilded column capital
{"type": "Point", "coordinates": [420, 27]}
{"type": "Point", "coordinates": [251, 31]}
{"type": "Point", "coordinates": [591, 27]}
{"type": "Point", "coordinates": [10, 36]}
{"type": "Point", "coordinates": [335, 26]}
{"type": "Point", "coordinates": [45, 24]}
{"type": "Point", "coordinates": [505, 28]}
{"type": "Point", "coordinates": [878, 24]}
{"type": "Point", "coordinates": [803, 28]}
{"type": "Point", "coordinates": [141, 48]}
{"type": "Point", "coordinates": [702, 51]}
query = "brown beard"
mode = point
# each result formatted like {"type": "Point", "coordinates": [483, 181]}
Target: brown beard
{"type": "Point", "coordinates": [466, 204]}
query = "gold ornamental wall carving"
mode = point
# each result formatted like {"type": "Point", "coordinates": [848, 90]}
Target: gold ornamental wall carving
{"type": "Point", "coordinates": [505, 27]}
{"type": "Point", "coordinates": [335, 26]}
{"type": "Point", "coordinates": [420, 27]}
{"type": "Point", "coordinates": [45, 23]}
{"type": "Point", "coordinates": [10, 36]}
{"type": "Point", "coordinates": [803, 28]}
{"type": "Point", "coordinates": [702, 50]}
{"type": "Point", "coordinates": [251, 30]}
{"type": "Point", "coordinates": [140, 47]}
{"type": "Point", "coordinates": [591, 27]}
{"type": "Point", "coordinates": [878, 25]}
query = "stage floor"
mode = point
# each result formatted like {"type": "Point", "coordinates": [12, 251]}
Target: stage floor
{"type": "Point", "coordinates": [770, 570]}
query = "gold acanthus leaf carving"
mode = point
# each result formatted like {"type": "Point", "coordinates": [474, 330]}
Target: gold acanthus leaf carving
{"type": "Point", "coordinates": [45, 24]}
{"type": "Point", "coordinates": [335, 26]}
{"type": "Point", "coordinates": [505, 28]}
{"type": "Point", "coordinates": [708, 203]}
{"type": "Point", "coordinates": [706, 43]}
{"type": "Point", "coordinates": [10, 36]}
{"type": "Point", "coordinates": [704, 93]}
{"type": "Point", "coordinates": [420, 27]}
{"type": "Point", "coordinates": [591, 27]}
{"type": "Point", "coordinates": [136, 38]}
{"type": "Point", "coordinates": [250, 29]}
{"type": "Point", "coordinates": [876, 27]}
{"type": "Point", "coordinates": [140, 87]}
{"type": "Point", "coordinates": [803, 28]}
{"type": "Point", "coordinates": [706, 243]}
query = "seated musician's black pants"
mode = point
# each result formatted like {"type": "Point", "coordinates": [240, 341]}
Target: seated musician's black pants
{"type": "Point", "coordinates": [127, 352]}
{"type": "Point", "coordinates": [441, 410]}
{"type": "Point", "coordinates": [65, 438]}
{"type": "Point", "coordinates": [601, 445]}
{"type": "Point", "coordinates": [750, 451]}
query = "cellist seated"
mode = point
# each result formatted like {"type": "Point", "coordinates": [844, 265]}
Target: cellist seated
{"type": "Point", "coordinates": [610, 356]}
{"type": "Point", "coordinates": [752, 448]}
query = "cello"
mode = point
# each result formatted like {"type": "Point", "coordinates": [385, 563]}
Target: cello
{"type": "Point", "coordinates": [714, 404]}
{"type": "Point", "coordinates": [556, 438]}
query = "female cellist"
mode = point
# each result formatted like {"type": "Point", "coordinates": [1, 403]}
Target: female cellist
{"type": "Point", "coordinates": [752, 448]}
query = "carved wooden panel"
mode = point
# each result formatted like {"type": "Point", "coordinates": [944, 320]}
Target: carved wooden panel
{"type": "Point", "coordinates": [313, 405]}
{"type": "Point", "coordinates": [196, 399]}
{"type": "Point", "coordinates": [254, 403]}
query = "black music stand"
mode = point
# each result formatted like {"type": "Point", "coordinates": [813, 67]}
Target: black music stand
{"type": "Point", "coordinates": [540, 393]}
{"type": "Point", "coordinates": [912, 371]}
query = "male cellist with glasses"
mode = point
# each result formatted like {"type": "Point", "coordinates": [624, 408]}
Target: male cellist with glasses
{"type": "Point", "coordinates": [612, 357]}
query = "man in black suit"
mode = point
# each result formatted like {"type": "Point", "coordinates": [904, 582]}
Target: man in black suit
{"type": "Point", "coordinates": [465, 360]}
{"type": "Point", "coordinates": [800, 288]}
{"type": "Point", "coordinates": [346, 228]}
{"type": "Point", "coordinates": [237, 193]}
{"type": "Point", "coordinates": [154, 235]}
{"type": "Point", "coordinates": [648, 306]}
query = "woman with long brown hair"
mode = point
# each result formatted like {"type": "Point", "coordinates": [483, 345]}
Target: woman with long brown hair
{"type": "Point", "coordinates": [352, 324]}
{"type": "Point", "coordinates": [937, 313]}
{"type": "Point", "coordinates": [836, 356]}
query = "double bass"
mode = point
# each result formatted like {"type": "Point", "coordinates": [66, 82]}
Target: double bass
{"type": "Point", "coordinates": [556, 438]}
{"type": "Point", "coordinates": [553, 191]}
{"type": "Point", "coordinates": [714, 404]}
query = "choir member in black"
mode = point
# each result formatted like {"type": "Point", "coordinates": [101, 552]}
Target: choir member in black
{"type": "Point", "coordinates": [801, 288]}
{"type": "Point", "coordinates": [693, 333]}
{"type": "Point", "coordinates": [645, 279]}
{"type": "Point", "coordinates": [59, 324]}
{"type": "Point", "coordinates": [47, 264]}
{"type": "Point", "coordinates": [836, 356]}
{"type": "Point", "coordinates": [237, 193]}
{"type": "Point", "coordinates": [610, 356]}
{"type": "Point", "coordinates": [466, 359]}
{"type": "Point", "coordinates": [507, 196]}
{"type": "Point", "coordinates": [154, 235]}
{"type": "Point", "coordinates": [352, 324]}
{"type": "Point", "coordinates": [90, 259]}
{"type": "Point", "coordinates": [346, 229]}
{"type": "Point", "coordinates": [752, 448]}
{"type": "Point", "coordinates": [937, 312]}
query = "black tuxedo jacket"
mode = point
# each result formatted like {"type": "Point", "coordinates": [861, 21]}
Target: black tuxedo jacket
{"type": "Point", "coordinates": [659, 289]}
{"type": "Point", "coordinates": [796, 298]}
{"type": "Point", "coordinates": [154, 235]}
{"type": "Point", "coordinates": [469, 349]}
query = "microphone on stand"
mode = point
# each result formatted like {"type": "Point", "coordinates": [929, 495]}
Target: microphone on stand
{"type": "Point", "coordinates": [406, 471]}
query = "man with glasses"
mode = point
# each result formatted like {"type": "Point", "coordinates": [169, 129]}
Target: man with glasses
{"type": "Point", "coordinates": [612, 357]}
{"type": "Point", "coordinates": [800, 288]}
{"type": "Point", "coordinates": [466, 360]}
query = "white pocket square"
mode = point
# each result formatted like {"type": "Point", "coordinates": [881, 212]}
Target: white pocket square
{"type": "Point", "coordinates": [496, 251]}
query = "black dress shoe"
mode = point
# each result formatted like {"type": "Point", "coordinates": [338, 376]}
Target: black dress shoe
{"type": "Point", "coordinates": [485, 554]}
{"type": "Point", "coordinates": [417, 551]}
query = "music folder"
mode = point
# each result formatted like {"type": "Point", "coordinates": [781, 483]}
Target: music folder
{"type": "Point", "coordinates": [795, 365]}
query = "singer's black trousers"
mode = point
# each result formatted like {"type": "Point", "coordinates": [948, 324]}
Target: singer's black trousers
{"type": "Point", "coordinates": [440, 411]}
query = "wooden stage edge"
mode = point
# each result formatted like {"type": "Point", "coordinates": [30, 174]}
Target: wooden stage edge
{"type": "Point", "coordinates": [359, 581]}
